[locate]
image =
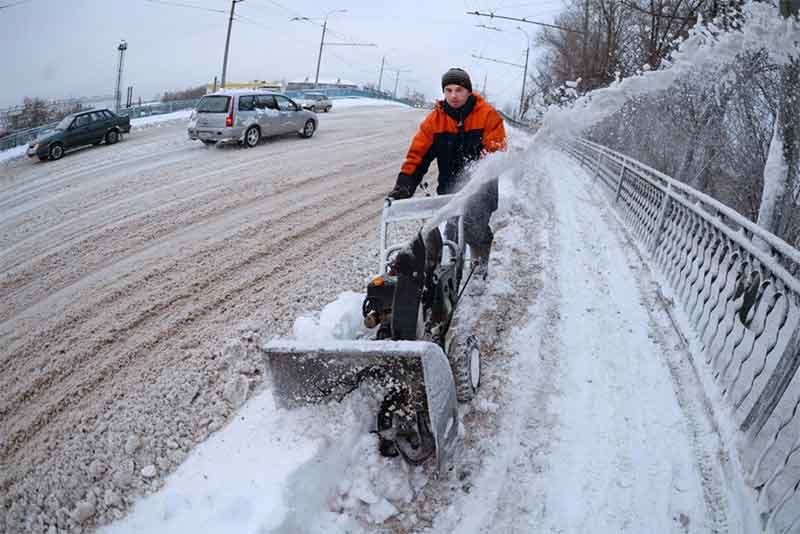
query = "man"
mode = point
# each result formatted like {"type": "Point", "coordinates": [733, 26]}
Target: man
{"type": "Point", "coordinates": [460, 129]}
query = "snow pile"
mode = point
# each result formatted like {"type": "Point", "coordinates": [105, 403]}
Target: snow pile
{"type": "Point", "coordinates": [357, 102]}
{"type": "Point", "coordinates": [157, 120]}
{"type": "Point", "coordinates": [341, 319]}
{"type": "Point", "coordinates": [11, 153]}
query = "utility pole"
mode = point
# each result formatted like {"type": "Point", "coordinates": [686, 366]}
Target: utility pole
{"type": "Point", "coordinates": [123, 46]}
{"type": "Point", "coordinates": [380, 76]}
{"type": "Point", "coordinates": [322, 42]}
{"type": "Point", "coordinates": [397, 79]}
{"type": "Point", "coordinates": [319, 56]}
{"type": "Point", "coordinates": [228, 43]}
{"type": "Point", "coordinates": [524, 67]}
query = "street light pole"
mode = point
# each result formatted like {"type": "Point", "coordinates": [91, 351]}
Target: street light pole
{"type": "Point", "coordinates": [322, 42]}
{"type": "Point", "coordinates": [228, 43]}
{"type": "Point", "coordinates": [319, 56]}
{"type": "Point", "coordinates": [525, 72]}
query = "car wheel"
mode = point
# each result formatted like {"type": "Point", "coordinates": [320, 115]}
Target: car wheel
{"type": "Point", "coordinates": [252, 136]}
{"type": "Point", "coordinates": [308, 129]}
{"type": "Point", "coordinates": [208, 142]}
{"type": "Point", "coordinates": [112, 137]}
{"type": "Point", "coordinates": [55, 152]}
{"type": "Point", "coordinates": [327, 110]}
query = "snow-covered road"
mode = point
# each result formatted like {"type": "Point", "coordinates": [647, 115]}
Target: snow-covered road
{"type": "Point", "coordinates": [135, 280]}
{"type": "Point", "coordinates": [590, 417]}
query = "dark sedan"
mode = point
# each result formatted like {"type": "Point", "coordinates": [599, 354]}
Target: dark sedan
{"type": "Point", "coordinates": [79, 129]}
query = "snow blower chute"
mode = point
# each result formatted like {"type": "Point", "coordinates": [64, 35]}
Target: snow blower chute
{"type": "Point", "coordinates": [417, 358]}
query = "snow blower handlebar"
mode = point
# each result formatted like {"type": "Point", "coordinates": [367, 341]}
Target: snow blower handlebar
{"type": "Point", "coordinates": [418, 209]}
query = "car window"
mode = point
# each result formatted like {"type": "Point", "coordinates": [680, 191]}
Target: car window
{"type": "Point", "coordinates": [97, 117]}
{"type": "Point", "coordinates": [65, 123]}
{"type": "Point", "coordinates": [81, 120]}
{"type": "Point", "coordinates": [247, 103]}
{"type": "Point", "coordinates": [107, 114]}
{"type": "Point", "coordinates": [266, 102]}
{"type": "Point", "coordinates": [284, 104]}
{"type": "Point", "coordinates": [213, 104]}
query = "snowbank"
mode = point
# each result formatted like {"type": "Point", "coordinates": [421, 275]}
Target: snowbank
{"type": "Point", "coordinates": [11, 153]}
{"type": "Point", "coordinates": [357, 102]}
{"type": "Point", "coordinates": [155, 120]}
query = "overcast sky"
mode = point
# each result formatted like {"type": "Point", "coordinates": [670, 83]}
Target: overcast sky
{"type": "Point", "coordinates": [64, 48]}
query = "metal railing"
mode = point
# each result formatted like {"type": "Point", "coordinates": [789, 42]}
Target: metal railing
{"type": "Point", "coordinates": [738, 287]}
{"type": "Point", "coordinates": [20, 137]}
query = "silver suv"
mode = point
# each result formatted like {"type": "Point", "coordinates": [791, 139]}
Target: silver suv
{"type": "Point", "coordinates": [245, 116]}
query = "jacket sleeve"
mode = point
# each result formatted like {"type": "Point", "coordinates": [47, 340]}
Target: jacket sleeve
{"type": "Point", "coordinates": [419, 157]}
{"type": "Point", "coordinates": [494, 136]}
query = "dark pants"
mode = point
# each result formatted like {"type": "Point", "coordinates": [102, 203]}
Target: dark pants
{"type": "Point", "coordinates": [477, 211]}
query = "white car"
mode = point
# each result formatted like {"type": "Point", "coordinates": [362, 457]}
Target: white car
{"type": "Point", "coordinates": [317, 102]}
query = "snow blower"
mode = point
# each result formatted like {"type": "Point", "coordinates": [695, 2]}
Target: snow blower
{"type": "Point", "coordinates": [417, 357]}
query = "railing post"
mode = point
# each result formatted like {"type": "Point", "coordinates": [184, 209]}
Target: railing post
{"type": "Point", "coordinates": [661, 215]}
{"type": "Point", "coordinates": [621, 179]}
{"type": "Point", "coordinates": [597, 167]}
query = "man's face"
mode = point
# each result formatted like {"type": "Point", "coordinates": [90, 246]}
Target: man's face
{"type": "Point", "coordinates": [456, 95]}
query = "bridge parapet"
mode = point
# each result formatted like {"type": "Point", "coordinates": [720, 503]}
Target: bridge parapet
{"type": "Point", "coordinates": [738, 287]}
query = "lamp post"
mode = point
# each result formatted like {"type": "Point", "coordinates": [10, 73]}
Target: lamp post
{"type": "Point", "coordinates": [123, 46]}
{"type": "Point", "coordinates": [322, 40]}
{"type": "Point", "coordinates": [525, 72]}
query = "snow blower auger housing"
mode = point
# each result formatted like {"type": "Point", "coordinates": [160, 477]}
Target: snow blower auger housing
{"type": "Point", "coordinates": [421, 366]}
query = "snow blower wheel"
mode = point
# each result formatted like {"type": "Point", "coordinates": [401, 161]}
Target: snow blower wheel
{"type": "Point", "coordinates": [465, 361]}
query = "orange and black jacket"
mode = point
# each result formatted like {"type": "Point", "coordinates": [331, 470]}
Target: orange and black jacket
{"type": "Point", "coordinates": [454, 137]}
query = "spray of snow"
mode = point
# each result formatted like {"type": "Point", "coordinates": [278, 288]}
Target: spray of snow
{"type": "Point", "coordinates": [705, 47]}
{"type": "Point", "coordinates": [775, 177]}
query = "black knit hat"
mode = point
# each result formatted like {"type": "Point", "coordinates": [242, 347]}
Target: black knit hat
{"type": "Point", "coordinates": [457, 76]}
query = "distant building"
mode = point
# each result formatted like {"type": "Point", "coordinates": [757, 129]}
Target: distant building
{"type": "Point", "coordinates": [255, 84]}
{"type": "Point", "coordinates": [329, 83]}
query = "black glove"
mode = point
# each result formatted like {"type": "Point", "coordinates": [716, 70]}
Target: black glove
{"type": "Point", "coordinates": [399, 193]}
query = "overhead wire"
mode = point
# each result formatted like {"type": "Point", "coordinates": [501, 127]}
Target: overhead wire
{"type": "Point", "coordinates": [188, 6]}
{"type": "Point", "coordinates": [12, 4]}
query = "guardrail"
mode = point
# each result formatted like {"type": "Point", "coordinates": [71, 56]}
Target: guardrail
{"type": "Point", "coordinates": [738, 287]}
{"type": "Point", "coordinates": [346, 93]}
{"type": "Point", "coordinates": [20, 137]}
{"type": "Point", "coordinates": [515, 122]}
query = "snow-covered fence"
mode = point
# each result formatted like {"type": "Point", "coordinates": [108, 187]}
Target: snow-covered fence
{"type": "Point", "coordinates": [738, 287]}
